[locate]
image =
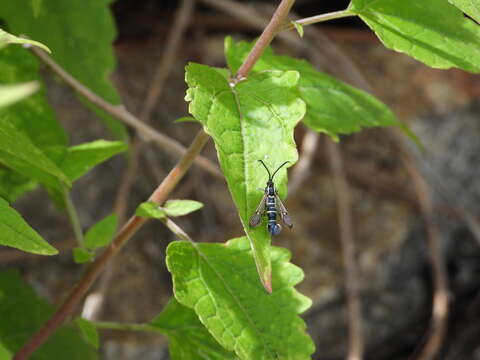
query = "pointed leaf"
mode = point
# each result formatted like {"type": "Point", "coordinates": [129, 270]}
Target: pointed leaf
{"type": "Point", "coordinates": [10, 94]}
{"type": "Point", "coordinates": [33, 117]}
{"type": "Point", "coordinates": [80, 159]}
{"type": "Point", "coordinates": [218, 282]}
{"type": "Point", "coordinates": [102, 232]}
{"type": "Point", "coordinates": [433, 32]}
{"type": "Point", "coordinates": [81, 256]}
{"type": "Point", "coordinates": [6, 38]}
{"type": "Point", "coordinates": [251, 120]}
{"type": "Point", "coordinates": [469, 7]}
{"type": "Point", "coordinates": [19, 153]}
{"type": "Point", "coordinates": [333, 107]}
{"type": "Point", "coordinates": [89, 332]}
{"type": "Point", "coordinates": [189, 339]}
{"type": "Point", "coordinates": [23, 312]}
{"type": "Point", "coordinates": [177, 208]}
{"type": "Point", "coordinates": [86, 52]}
{"type": "Point", "coordinates": [15, 232]}
{"type": "Point", "coordinates": [150, 209]}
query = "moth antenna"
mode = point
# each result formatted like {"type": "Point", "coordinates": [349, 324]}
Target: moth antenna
{"type": "Point", "coordinates": [286, 162]}
{"type": "Point", "coordinates": [268, 171]}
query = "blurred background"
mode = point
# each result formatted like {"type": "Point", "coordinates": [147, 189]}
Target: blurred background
{"type": "Point", "coordinates": [413, 239]}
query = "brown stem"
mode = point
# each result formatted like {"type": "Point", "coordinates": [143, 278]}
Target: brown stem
{"type": "Point", "coordinates": [355, 341]}
{"type": "Point", "coordinates": [438, 323]}
{"type": "Point", "coordinates": [265, 39]}
{"type": "Point", "coordinates": [127, 231]}
{"type": "Point", "coordinates": [135, 222]}
{"type": "Point", "coordinates": [119, 112]}
{"type": "Point", "coordinates": [95, 300]}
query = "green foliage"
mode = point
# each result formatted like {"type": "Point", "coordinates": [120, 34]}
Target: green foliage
{"type": "Point", "coordinates": [173, 208]}
{"type": "Point", "coordinates": [102, 232]}
{"type": "Point", "coordinates": [82, 255]}
{"type": "Point", "coordinates": [150, 209]}
{"type": "Point", "coordinates": [15, 232]}
{"type": "Point", "coordinates": [251, 120]}
{"type": "Point", "coordinates": [22, 312]}
{"type": "Point", "coordinates": [333, 107]}
{"type": "Point", "coordinates": [189, 339]}
{"type": "Point", "coordinates": [89, 332]}
{"type": "Point", "coordinates": [99, 235]}
{"type": "Point", "coordinates": [33, 117]}
{"type": "Point", "coordinates": [298, 27]}
{"type": "Point", "coordinates": [219, 282]}
{"type": "Point", "coordinates": [10, 94]}
{"type": "Point", "coordinates": [80, 159]}
{"type": "Point", "coordinates": [4, 353]}
{"type": "Point", "coordinates": [19, 153]}
{"type": "Point", "coordinates": [434, 32]}
{"type": "Point", "coordinates": [6, 38]}
{"type": "Point", "coordinates": [469, 7]}
{"type": "Point", "coordinates": [79, 33]}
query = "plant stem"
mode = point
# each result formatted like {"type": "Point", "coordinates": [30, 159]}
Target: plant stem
{"type": "Point", "coordinates": [319, 18]}
{"type": "Point", "coordinates": [125, 327]}
{"type": "Point", "coordinates": [119, 112]}
{"type": "Point", "coordinates": [265, 39]}
{"type": "Point", "coordinates": [159, 195]}
{"type": "Point", "coordinates": [73, 216]}
{"type": "Point", "coordinates": [127, 231]}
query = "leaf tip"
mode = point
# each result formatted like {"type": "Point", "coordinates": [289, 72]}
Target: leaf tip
{"type": "Point", "coordinates": [267, 282]}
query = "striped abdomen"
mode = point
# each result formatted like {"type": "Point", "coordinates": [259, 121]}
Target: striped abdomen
{"type": "Point", "coordinates": [271, 211]}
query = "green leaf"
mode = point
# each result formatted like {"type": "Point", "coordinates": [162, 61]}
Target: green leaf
{"type": "Point", "coordinates": [102, 232]}
{"type": "Point", "coordinates": [177, 208]}
{"type": "Point", "coordinates": [433, 32]}
{"type": "Point", "coordinates": [16, 233]}
{"type": "Point", "coordinates": [6, 38]}
{"type": "Point", "coordinates": [10, 94]}
{"type": "Point", "coordinates": [89, 332]}
{"type": "Point", "coordinates": [19, 153]}
{"type": "Point", "coordinates": [150, 209]}
{"type": "Point", "coordinates": [80, 34]}
{"type": "Point", "coordinates": [13, 184]}
{"type": "Point", "coordinates": [23, 312]}
{"type": "Point", "coordinates": [81, 256]}
{"type": "Point", "coordinates": [189, 339]}
{"type": "Point", "coordinates": [78, 160]}
{"type": "Point", "coordinates": [469, 7]}
{"type": "Point", "coordinates": [251, 120]}
{"type": "Point", "coordinates": [333, 107]}
{"type": "Point", "coordinates": [4, 353]}
{"type": "Point", "coordinates": [32, 116]}
{"type": "Point", "coordinates": [218, 281]}
{"type": "Point", "coordinates": [298, 27]}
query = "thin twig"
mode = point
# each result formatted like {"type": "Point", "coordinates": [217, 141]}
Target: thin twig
{"type": "Point", "coordinates": [319, 18]}
{"type": "Point", "coordinates": [127, 231]}
{"type": "Point", "coordinates": [355, 338]}
{"type": "Point", "coordinates": [279, 16]}
{"type": "Point", "coordinates": [170, 53]}
{"type": "Point", "coordinates": [95, 300]}
{"type": "Point", "coordinates": [73, 217]}
{"type": "Point", "coordinates": [119, 112]}
{"type": "Point", "coordinates": [301, 171]}
{"type": "Point", "coordinates": [438, 322]}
